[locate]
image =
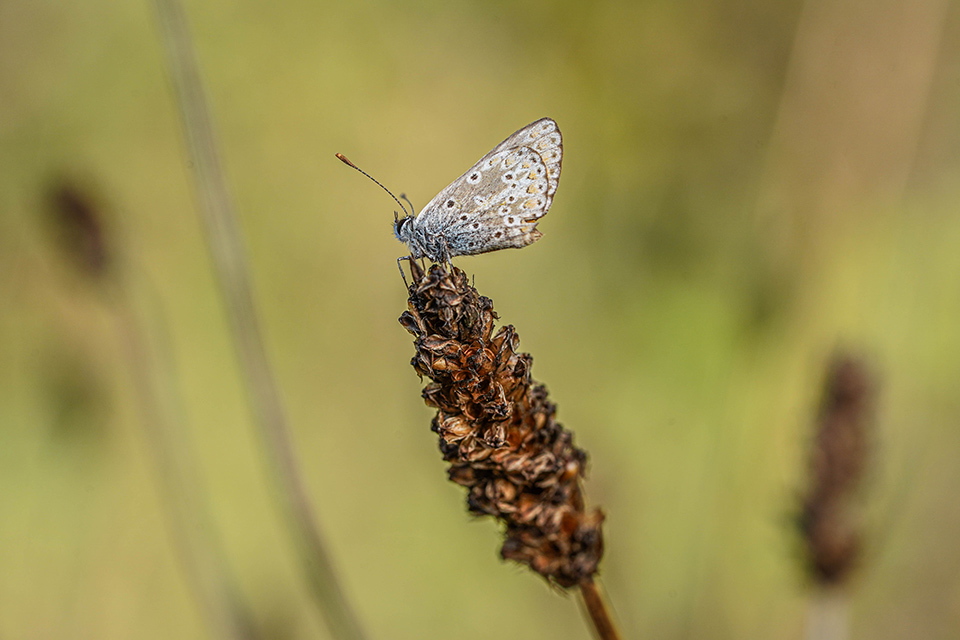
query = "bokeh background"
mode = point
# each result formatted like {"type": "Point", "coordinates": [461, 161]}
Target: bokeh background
{"type": "Point", "coordinates": [747, 187]}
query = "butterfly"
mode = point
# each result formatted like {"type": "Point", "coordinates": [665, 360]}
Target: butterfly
{"type": "Point", "coordinates": [495, 205]}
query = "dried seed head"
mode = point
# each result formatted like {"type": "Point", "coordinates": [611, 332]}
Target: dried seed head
{"type": "Point", "coordinates": [77, 221]}
{"type": "Point", "coordinates": [497, 429]}
{"type": "Point", "coordinates": [828, 521]}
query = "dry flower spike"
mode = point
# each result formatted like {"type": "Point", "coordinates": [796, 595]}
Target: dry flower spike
{"type": "Point", "coordinates": [498, 431]}
{"type": "Point", "coordinates": [828, 521]}
{"type": "Point", "coordinates": [77, 221]}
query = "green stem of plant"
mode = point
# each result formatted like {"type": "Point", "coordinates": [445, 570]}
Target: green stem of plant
{"type": "Point", "coordinates": [226, 247]}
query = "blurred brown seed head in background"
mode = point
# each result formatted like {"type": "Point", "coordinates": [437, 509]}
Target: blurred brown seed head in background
{"type": "Point", "coordinates": [829, 522]}
{"type": "Point", "coordinates": [498, 431]}
{"type": "Point", "coordinates": [76, 219]}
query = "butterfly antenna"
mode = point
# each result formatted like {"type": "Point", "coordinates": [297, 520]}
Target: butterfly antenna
{"type": "Point", "coordinates": [345, 161]}
{"type": "Point", "coordinates": [404, 197]}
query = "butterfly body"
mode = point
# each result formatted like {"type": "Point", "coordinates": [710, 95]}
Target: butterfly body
{"type": "Point", "coordinates": [496, 204]}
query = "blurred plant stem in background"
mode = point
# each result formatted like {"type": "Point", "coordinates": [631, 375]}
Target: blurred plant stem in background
{"type": "Point", "coordinates": [851, 114]}
{"type": "Point", "coordinates": [828, 615]}
{"type": "Point", "coordinates": [189, 514]}
{"type": "Point", "coordinates": [844, 143]}
{"type": "Point", "coordinates": [78, 222]}
{"type": "Point", "coordinates": [226, 246]}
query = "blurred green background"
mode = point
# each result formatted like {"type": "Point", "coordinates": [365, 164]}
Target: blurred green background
{"type": "Point", "coordinates": [747, 186]}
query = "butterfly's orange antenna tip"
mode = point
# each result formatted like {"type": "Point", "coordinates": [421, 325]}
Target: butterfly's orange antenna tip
{"type": "Point", "coordinates": [344, 160]}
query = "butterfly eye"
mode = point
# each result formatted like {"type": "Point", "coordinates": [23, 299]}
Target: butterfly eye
{"type": "Point", "coordinates": [450, 204]}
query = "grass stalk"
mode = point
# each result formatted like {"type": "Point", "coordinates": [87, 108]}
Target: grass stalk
{"type": "Point", "coordinates": [187, 514]}
{"type": "Point", "coordinates": [79, 225]}
{"type": "Point", "coordinates": [229, 258]}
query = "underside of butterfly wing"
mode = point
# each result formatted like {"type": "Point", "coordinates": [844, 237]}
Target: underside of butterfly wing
{"type": "Point", "coordinates": [497, 202]}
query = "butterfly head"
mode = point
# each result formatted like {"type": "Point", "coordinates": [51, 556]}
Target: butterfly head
{"type": "Point", "coordinates": [403, 228]}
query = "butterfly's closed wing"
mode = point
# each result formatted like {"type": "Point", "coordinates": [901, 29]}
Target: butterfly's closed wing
{"type": "Point", "coordinates": [497, 202]}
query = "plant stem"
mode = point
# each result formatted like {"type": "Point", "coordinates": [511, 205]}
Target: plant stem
{"type": "Point", "coordinates": [183, 498]}
{"type": "Point", "coordinates": [82, 232]}
{"type": "Point", "coordinates": [226, 246]}
{"type": "Point", "coordinates": [599, 611]}
{"type": "Point", "coordinates": [828, 615]}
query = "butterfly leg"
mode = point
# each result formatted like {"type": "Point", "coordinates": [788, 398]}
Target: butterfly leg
{"type": "Point", "coordinates": [445, 257]}
{"type": "Point", "coordinates": [402, 274]}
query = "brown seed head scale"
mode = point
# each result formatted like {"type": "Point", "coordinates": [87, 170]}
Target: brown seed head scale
{"type": "Point", "coordinates": [498, 431]}
{"type": "Point", "coordinates": [828, 521]}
